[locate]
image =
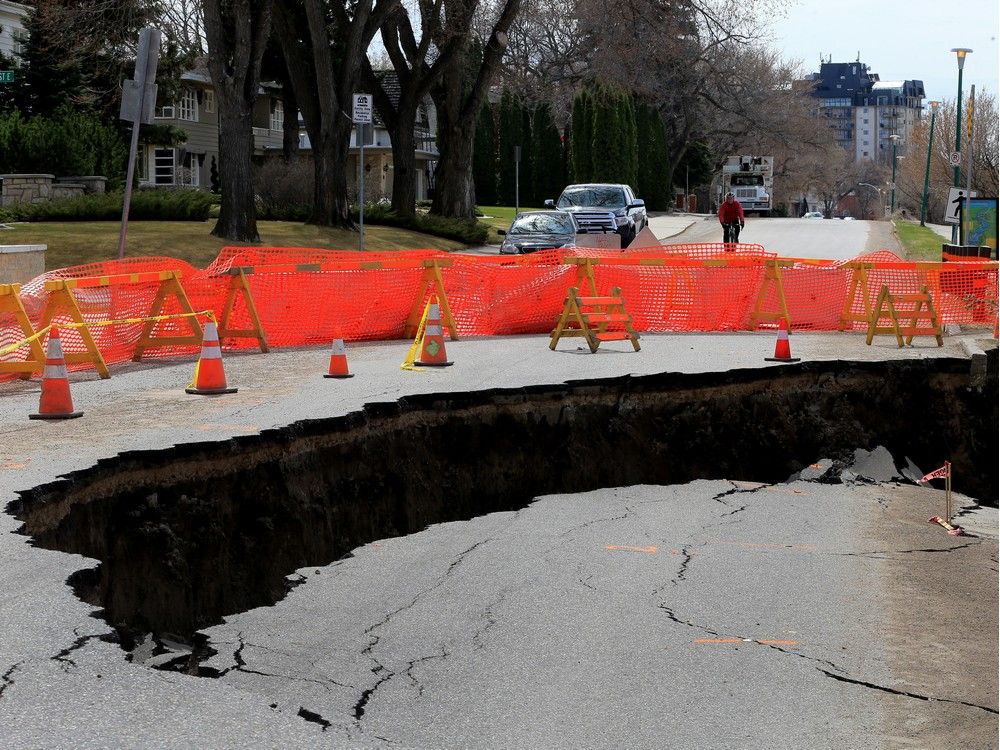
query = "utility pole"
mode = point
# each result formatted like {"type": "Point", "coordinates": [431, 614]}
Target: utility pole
{"type": "Point", "coordinates": [927, 170]}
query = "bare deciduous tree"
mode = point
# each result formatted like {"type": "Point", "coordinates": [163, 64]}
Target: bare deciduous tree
{"type": "Point", "coordinates": [237, 32]}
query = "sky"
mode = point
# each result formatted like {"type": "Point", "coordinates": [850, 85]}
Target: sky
{"type": "Point", "coordinates": [898, 40]}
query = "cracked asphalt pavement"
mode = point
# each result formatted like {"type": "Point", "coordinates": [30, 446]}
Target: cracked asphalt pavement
{"type": "Point", "coordinates": [713, 614]}
{"type": "Point", "coordinates": [716, 614]}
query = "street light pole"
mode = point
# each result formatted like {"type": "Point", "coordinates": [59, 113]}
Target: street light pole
{"type": "Point", "coordinates": [960, 52]}
{"type": "Point", "coordinates": [927, 170]}
{"type": "Point", "coordinates": [892, 205]}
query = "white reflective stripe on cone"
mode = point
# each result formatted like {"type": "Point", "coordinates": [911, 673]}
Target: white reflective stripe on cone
{"type": "Point", "coordinates": [55, 371]}
{"type": "Point", "coordinates": [338, 346]}
{"type": "Point", "coordinates": [434, 330]}
{"type": "Point", "coordinates": [435, 312]}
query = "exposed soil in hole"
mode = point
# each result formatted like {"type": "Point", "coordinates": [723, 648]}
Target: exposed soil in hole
{"type": "Point", "coordinates": [188, 535]}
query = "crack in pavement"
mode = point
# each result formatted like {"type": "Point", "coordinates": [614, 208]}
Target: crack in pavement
{"type": "Point", "coordinates": [241, 666]}
{"type": "Point", "coordinates": [686, 552]}
{"type": "Point", "coordinates": [904, 693]}
{"type": "Point", "coordinates": [413, 662]}
{"type": "Point", "coordinates": [362, 702]}
{"type": "Point", "coordinates": [8, 678]}
{"type": "Point", "coordinates": [63, 656]}
{"type": "Point", "coordinates": [872, 553]}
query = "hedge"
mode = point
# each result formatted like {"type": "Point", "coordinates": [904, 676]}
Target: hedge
{"type": "Point", "coordinates": [146, 205]}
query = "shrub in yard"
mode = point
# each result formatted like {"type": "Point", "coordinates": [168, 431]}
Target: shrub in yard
{"type": "Point", "coordinates": [284, 191]}
{"type": "Point", "coordinates": [65, 144]}
{"type": "Point", "coordinates": [146, 205]}
{"type": "Point", "coordinates": [469, 231]}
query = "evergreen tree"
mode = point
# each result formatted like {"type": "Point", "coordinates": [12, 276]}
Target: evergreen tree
{"type": "Point", "coordinates": [548, 170]}
{"type": "Point", "coordinates": [582, 129]}
{"type": "Point", "coordinates": [629, 136]}
{"type": "Point", "coordinates": [528, 194]}
{"type": "Point", "coordinates": [652, 172]}
{"type": "Point", "coordinates": [510, 126]}
{"type": "Point", "coordinates": [484, 158]}
{"type": "Point", "coordinates": [607, 142]}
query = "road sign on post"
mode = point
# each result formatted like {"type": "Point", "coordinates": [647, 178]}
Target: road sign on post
{"type": "Point", "coordinates": [138, 103]}
{"type": "Point", "coordinates": [955, 159]}
{"type": "Point", "coordinates": [361, 115]}
{"type": "Point", "coordinates": [953, 209]}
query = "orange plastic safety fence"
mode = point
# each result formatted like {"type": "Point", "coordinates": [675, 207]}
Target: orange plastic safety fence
{"type": "Point", "coordinates": [310, 296]}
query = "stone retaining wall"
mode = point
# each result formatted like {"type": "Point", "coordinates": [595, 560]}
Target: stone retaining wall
{"type": "Point", "coordinates": [19, 264]}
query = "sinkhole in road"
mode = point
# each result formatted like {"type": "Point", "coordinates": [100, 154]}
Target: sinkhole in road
{"type": "Point", "coordinates": [188, 535]}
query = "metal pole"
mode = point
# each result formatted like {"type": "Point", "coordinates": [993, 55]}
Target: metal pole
{"type": "Point", "coordinates": [517, 180]}
{"type": "Point", "coordinates": [927, 169]}
{"type": "Point", "coordinates": [361, 182]}
{"type": "Point", "coordinates": [968, 171]}
{"type": "Point", "coordinates": [958, 136]}
{"type": "Point", "coordinates": [892, 203]}
{"type": "Point", "coordinates": [141, 60]}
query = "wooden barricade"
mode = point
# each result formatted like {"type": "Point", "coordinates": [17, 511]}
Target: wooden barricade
{"type": "Point", "coordinates": [859, 283]}
{"type": "Point", "coordinates": [923, 309]}
{"type": "Point", "coordinates": [61, 299]}
{"type": "Point", "coordinates": [431, 278]}
{"type": "Point", "coordinates": [10, 303]}
{"type": "Point", "coordinates": [590, 317]}
{"type": "Point", "coordinates": [772, 276]}
{"type": "Point", "coordinates": [239, 288]}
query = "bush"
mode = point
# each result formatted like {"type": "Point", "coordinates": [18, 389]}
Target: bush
{"type": "Point", "coordinates": [284, 191]}
{"type": "Point", "coordinates": [68, 143]}
{"type": "Point", "coordinates": [146, 205]}
{"type": "Point", "coordinates": [469, 231]}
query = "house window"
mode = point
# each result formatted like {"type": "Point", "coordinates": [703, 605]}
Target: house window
{"type": "Point", "coordinates": [277, 114]}
{"type": "Point", "coordinates": [187, 108]}
{"type": "Point", "coordinates": [866, 121]}
{"type": "Point", "coordinates": [208, 99]}
{"type": "Point", "coordinates": [20, 37]}
{"type": "Point", "coordinates": [864, 153]}
{"type": "Point", "coordinates": [166, 112]}
{"type": "Point", "coordinates": [141, 164]}
{"type": "Point", "coordinates": [163, 166]}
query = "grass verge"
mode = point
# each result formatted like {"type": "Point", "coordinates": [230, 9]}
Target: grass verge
{"type": "Point", "coordinates": [919, 243]}
{"type": "Point", "coordinates": [77, 242]}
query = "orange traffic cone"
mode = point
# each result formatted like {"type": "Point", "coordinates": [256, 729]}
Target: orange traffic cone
{"type": "Point", "coordinates": [209, 376]}
{"type": "Point", "coordinates": [432, 352]}
{"type": "Point", "coordinates": [338, 361]}
{"type": "Point", "coordinates": [55, 402]}
{"type": "Point", "coordinates": [782, 350]}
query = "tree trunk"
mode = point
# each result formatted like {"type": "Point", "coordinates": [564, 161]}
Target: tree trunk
{"type": "Point", "coordinates": [455, 193]}
{"type": "Point", "coordinates": [330, 197]}
{"type": "Point", "coordinates": [404, 165]}
{"type": "Point", "coordinates": [238, 212]}
{"type": "Point", "coordinates": [290, 128]}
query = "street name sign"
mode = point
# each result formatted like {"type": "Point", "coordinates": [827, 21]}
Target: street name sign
{"type": "Point", "coordinates": [6, 76]}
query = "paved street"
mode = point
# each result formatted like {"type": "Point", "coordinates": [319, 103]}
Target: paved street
{"type": "Point", "coordinates": [610, 618]}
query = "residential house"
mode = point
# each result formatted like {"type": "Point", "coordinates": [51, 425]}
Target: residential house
{"type": "Point", "coordinates": [378, 149]}
{"type": "Point", "coordinates": [192, 163]}
{"type": "Point", "coordinates": [12, 33]}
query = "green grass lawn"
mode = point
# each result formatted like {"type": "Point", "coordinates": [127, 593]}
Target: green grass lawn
{"type": "Point", "coordinates": [919, 243]}
{"type": "Point", "coordinates": [72, 243]}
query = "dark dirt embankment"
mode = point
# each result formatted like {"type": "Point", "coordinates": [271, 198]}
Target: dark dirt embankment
{"type": "Point", "coordinates": [190, 534]}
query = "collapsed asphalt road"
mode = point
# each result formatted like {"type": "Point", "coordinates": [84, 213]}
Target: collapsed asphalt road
{"type": "Point", "coordinates": [583, 620]}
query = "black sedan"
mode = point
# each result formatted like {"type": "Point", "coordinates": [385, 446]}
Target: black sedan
{"type": "Point", "coordinates": [539, 230]}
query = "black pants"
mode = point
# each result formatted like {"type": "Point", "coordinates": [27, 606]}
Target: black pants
{"type": "Point", "coordinates": [731, 232]}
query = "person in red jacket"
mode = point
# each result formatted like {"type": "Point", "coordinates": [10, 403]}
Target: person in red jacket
{"type": "Point", "coordinates": [731, 218]}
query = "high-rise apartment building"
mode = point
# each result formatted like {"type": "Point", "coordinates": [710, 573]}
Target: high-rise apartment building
{"type": "Point", "coordinates": [864, 111]}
